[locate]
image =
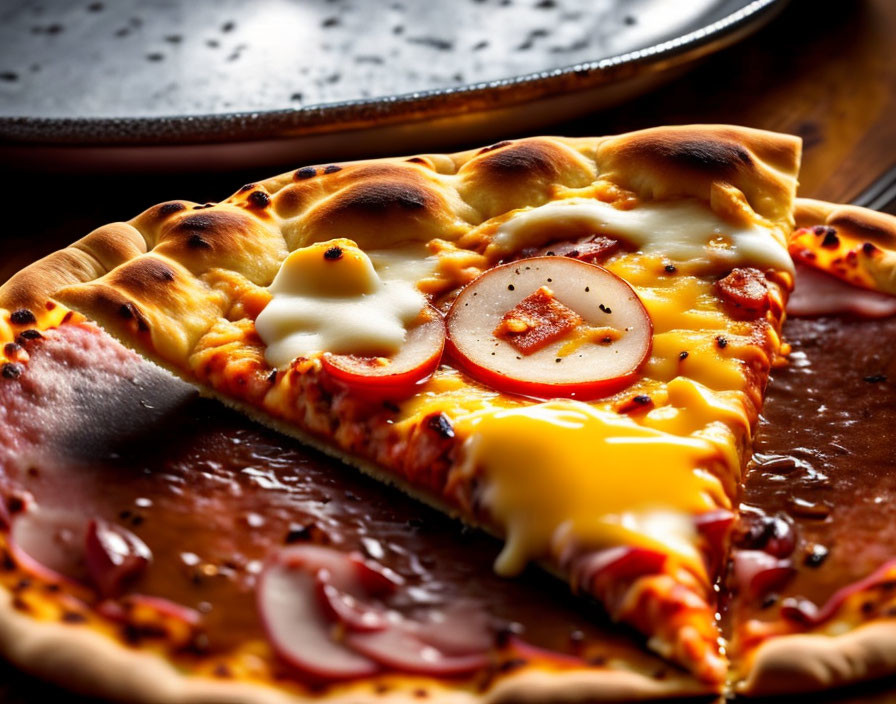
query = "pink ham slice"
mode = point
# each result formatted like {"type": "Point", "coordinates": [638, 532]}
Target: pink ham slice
{"type": "Point", "coordinates": [818, 293]}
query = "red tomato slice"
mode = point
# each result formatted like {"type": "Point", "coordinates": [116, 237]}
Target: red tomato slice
{"type": "Point", "coordinates": [417, 359]}
{"type": "Point", "coordinates": [579, 364]}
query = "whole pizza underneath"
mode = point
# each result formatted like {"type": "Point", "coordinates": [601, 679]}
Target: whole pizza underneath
{"type": "Point", "coordinates": [558, 348]}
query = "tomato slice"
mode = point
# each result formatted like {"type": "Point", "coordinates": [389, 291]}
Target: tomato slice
{"type": "Point", "coordinates": [397, 375]}
{"type": "Point", "coordinates": [598, 355]}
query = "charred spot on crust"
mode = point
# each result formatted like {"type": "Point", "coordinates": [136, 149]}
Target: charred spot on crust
{"type": "Point", "coordinates": [332, 169]}
{"type": "Point", "coordinates": [699, 154]}
{"type": "Point", "coordinates": [496, 145]}
{"type": "Point", "coordinates": [441, 425]}
{"type": "Point", "coordinates": [166, 209]}
{"type": "Point", "coordinates": [207, 230]}
{"type": "Point", "coordinates": [417, 160]}
{"type": "Point", "coordinates": [382, 198]}
{"type": "Point", "coordinates": [333, 253]}
{"type": "Point", "coordinates": [865, 230]}
{"type": "Point", "coordinates": [305, 173]}
{"type": "Point", "coordinates": [129, 311]}
{"type": "Point", "coordinates": [30, 334]}
{"type": "Point", "coordinates": [22, 316]}
{"type": "Point", "coordinates": [10, 349]}
{"type": "Point", "coordinates": [259, 199]}
{"type": "Point", "coordinates": [247, 187]}
{"type": "Point", "coordinates": [522, 158]}
{"type": "Point", "coordinates": [11, 370]}
{"type": "Point", "coordinates": [195, 241]}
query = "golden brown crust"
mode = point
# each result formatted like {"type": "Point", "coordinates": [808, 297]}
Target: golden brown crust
{"type": "Point", "coordinates": [85, 260]}
{"type": "Point", "coordinates": [814, 663]}
{"type": "Point", "coordinates": [671, 162]}
{"type": "Point", "coordinates": [164, 297]}
{"type": "Point", "coordinates": [857, 226]}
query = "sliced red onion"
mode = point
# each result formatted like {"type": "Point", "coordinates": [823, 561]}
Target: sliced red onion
{"type": "Point", "coordinates": [715, 527]}
{"type": "Point", "coordinates": [757, 573]}
{"type": "Point", "coordinates": [48, 547]}
{"type": "Point", "coordinates": [833, 604]}
{"type": "Point", "coordinates": [462, 628]}
{"type": "Point", "coordinates": [119, 610]}
{"type": "Point", "coordinates": [297, 626]}
{"type": "Point", "coordinates": [115, 556]}
{"type": "Point", "coordinates": [400, 649]}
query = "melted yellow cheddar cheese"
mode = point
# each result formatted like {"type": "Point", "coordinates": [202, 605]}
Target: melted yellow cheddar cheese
{"type": "Point", "coordinates": [560, 475]}
{"type": "Point", "coordinates": [566, 470]}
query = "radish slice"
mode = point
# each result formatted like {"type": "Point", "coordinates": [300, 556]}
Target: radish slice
{"type": "Point", "coordinates": [400, 649]}
{"type": "Point", "coordinates": [296, 625]}
{"type": "Point", "coordinates": [582, 363]}
{"type": "Point", "coordinates": [417, 359]}
{"type": "Point", "coordinates": [115, 556]}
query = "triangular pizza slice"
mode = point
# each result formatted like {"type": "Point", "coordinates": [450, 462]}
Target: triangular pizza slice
{"type": "Point", "coordinates": [563, 341]}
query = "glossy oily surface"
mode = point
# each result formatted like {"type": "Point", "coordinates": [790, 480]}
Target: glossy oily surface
{"type": "Point", "coordinates": [212, 496]}
{"type": "Point", "coordinates": [821, 494]}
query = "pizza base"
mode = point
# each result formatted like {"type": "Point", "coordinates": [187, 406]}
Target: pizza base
{"type": "Point", "coordinates": [813, 663]}
{"type": "Point", "coordinates": [662, 163]}
{"type": "Point", "coordinates": [87, 662]}
{"type": "Point", "coordinates": [859, 224]}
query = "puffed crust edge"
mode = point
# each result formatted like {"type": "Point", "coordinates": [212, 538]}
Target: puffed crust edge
{"type": "Point", "coordinates": [861, 224]}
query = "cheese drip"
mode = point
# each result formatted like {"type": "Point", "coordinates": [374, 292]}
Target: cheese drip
{"type": "Point", "coordinates": [685, 231]}
{"type": "Point", "coordinates": [328, 297]}
{"type": "Point", "coordinates": [566, 474]}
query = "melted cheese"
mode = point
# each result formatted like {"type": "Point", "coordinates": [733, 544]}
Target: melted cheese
{"type": "Point", "coordinates": [565, 473]}
{"type": "Point", "coordinates": [682, 231]}
{"type": "Point", "coordinates": [337, 304]}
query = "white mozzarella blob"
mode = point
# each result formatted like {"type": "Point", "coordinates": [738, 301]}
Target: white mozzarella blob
{"type": "Point", "coordinates": [328, 297]}
{"type": "Point", "coordinates": [681, 231]}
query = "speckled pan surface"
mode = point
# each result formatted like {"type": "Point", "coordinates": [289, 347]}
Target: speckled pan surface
{"type": "Point", "coordinates": [168, 72]}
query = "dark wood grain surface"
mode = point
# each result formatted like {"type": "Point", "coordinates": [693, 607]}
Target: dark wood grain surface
{"type": "Point", "coordinates": [823, 70]}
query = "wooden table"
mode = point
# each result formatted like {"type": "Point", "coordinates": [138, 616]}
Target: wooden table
{"type": "Point", "coordinates": [824, 71]}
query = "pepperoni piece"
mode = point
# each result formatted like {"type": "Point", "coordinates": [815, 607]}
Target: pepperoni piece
{"type": "Point", "coordinates": [745, 290]}
{"type": "Point", "coordinates": [537, 321]}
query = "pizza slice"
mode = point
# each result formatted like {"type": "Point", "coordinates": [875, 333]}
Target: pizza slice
{"type": "Point", "coordinates": [563, 341]}
{"type": "Point", "coordinates": [813, 582]}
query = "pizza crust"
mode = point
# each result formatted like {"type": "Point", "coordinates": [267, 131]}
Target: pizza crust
{"type": "Point", "coordinates": [859, 224]}
{"type": "Point", "coordinates": [166, 249]}
{"type": "Point", "coordinates": [812, 663]}
{"type": "Point", "coordinates": [89, 663]}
